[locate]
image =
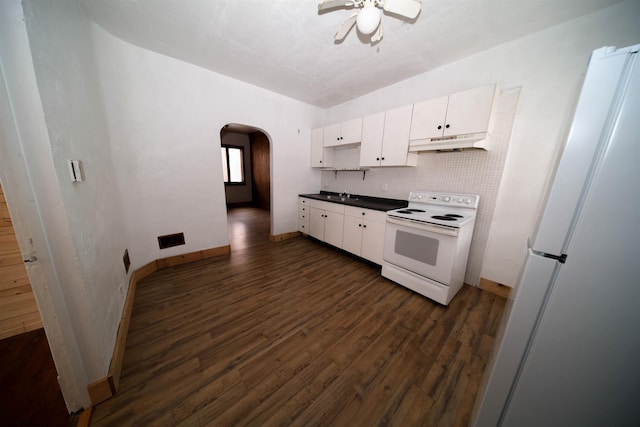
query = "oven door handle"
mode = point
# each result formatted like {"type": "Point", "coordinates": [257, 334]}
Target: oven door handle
{"type": "Point", "coordinates": [424, 226]}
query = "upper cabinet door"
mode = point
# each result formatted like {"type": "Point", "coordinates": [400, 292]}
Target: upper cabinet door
{"type": "Point", "coordinates": [319, 156]}
{"type": "Point", "coordinates": [372, 134]}
{"type": "Point", "coordinates": [428, 118]}
{"type": "Point", "coordinates": [395, 143]}
{"type": "Point", "coordinates": [332, 135]}
{"type": "Point", "coordinates": [351, 131]}
{"type": "Point", "coordinates": [469, 111]}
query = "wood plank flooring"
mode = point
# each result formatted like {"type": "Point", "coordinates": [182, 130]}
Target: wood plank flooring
{"type": "Point", "coordinates": [29, 390]}
{"type": "Point", "coordinates": [18, 310]}
{"type": "Point", "coordinates": [296, 333]}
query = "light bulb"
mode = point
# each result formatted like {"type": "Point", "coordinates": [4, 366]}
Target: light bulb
{"type": "Point", "coordinates": [368, 19]}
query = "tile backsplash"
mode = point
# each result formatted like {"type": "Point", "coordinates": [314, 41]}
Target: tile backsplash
{"type": "Point", "coordinates": [469, 171]}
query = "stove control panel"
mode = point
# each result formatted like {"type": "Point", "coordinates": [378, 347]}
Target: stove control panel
{"type": "Point", "coordinates": [445, 199]}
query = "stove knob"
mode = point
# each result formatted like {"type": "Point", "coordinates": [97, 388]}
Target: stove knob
{"type": "Point", "coordinates": [447, 199]}
{"type": "Point", "coordinates": [460, 200]}
{"type": "Point", "coordinates": [467, 201]}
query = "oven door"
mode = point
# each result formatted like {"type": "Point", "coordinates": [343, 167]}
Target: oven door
{"type": "Point", "coordinates": [425, 249]}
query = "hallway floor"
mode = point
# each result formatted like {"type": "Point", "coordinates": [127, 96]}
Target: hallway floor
{"type": "Point", "coordinates": [29, 390]}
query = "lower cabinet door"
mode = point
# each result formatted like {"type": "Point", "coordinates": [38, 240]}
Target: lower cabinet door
{"type": "Point", "coordinates": [316, 223]}
{"type": "Point", "coordinates": [352, 239]}
{"type": "Point", "coordinates": [333, 226]}
{"type": "Point", "coordinates": [373, 241]}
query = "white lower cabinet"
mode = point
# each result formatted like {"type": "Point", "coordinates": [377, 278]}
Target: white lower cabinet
{"type": "Point", "coordinates": [356, 230]}
{"type": "Point", "coordinates": [303, 215]}
{"type": "Point", "coordinates": [364, 233]}
{"type": "Point", "coordinates": [326, 222]}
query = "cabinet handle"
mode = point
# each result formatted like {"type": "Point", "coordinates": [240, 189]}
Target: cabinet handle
{"type": "Point", "coordinates": [364, 226]}
{"type": "Point", "coordinates": [362, 213]}
{"type": "Point", "coordinates": [382, 158]}
{"type": "Point", "coordinates": [378, 158]}
{"type": "Point", "coordinates": [320, 161]}
{"type": "Point", "coordinates": [439, 127]}
{"type": "Point", "coordinates": [359, 225]}
{"type": "Point", "coordinates": [447, 126]}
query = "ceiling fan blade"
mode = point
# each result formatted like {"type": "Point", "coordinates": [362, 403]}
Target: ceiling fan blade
{"type": "Point", "coordinates": [331, 4]}
{"type": "Point", "coordinates": [377, 36]}
{"type": "Point", "coordinates": [407, 8]}
{"type": "Point", "coordinates": [346, 27]}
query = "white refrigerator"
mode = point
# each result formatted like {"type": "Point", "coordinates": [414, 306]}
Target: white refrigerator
{"type": "Point", "coordinates": [568, 352]}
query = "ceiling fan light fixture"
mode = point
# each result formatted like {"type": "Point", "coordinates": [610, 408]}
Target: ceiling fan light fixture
{"type": "Point", "coordinates": [368, 19]}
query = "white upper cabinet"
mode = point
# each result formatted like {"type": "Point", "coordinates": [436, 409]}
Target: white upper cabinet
{"type": "Point", "coordinates": [395, 144]}
{"type": "Point", "coordinates": [385, 139]}
{"type": "Point", "coordinates": [428, 118]}
{"type": "Point", "coordinates": [393, 138]}
{"type": "Point", "coordinates": [331, 135]}
{"type": "Point", "coordinates": [460, 120]}
{"type": "Point", "coordinates": [372, 135]}
{"type": "Point", "coordinates": [320, 157]}
{"type": "Point", "coordinates": [349, 132]}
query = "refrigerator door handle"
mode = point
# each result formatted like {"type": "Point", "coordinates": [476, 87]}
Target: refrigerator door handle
{"type": "Point", "coordinates": [560, 258]}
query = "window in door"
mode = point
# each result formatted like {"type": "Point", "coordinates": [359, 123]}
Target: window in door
{"type": "Point", "coordinates": [232, 165]}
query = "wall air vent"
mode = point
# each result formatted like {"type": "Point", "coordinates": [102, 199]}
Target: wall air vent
{"type": "Point", "coordinates": [171, 240]}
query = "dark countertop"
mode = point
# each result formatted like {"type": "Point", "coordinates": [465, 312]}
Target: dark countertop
{"type": "Point", "coordinates": [367, 202]}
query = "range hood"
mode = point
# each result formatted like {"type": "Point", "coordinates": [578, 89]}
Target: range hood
{"type": "Point", "coordinates": [481, 140]}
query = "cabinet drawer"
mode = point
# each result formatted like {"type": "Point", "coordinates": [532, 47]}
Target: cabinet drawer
{"type": "Point", "coordinates": [303, 209]}
{"type": "Point", "coordinates": [368, 214]}
{"type": "Point", "coordinates": [303, 226]}
{"type": "Point", "coordinates": [326, 206]}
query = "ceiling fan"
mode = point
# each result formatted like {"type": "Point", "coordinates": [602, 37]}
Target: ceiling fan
{"type": "Point", "coordinates": [367, 19]}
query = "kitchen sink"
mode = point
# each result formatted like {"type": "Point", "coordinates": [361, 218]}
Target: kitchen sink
{"type": "Point", "coordinates": [340, 198]}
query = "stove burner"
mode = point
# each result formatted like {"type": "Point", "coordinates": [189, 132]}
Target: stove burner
{"type": "Point", "coordinates": [415, 210]}
{"type": "Point", "coordinates": [404, 211]}
{"type": "Point", "coordinates": [444, 218]}
{"type": "Point", "coordinates": [454, 215]}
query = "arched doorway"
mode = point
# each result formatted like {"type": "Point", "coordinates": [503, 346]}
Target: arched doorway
{"type": "Point", "coordinates": [246, 158]}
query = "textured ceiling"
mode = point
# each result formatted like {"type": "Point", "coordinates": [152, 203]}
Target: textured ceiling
{"type": "Point", "coordinates": [286, 46]}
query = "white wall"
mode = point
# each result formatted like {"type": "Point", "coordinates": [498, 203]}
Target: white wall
{"type": "Point", "coordinates": [549, 67]}
{"type": "Point", "coordinates": [29, 167]}
{"type": "Point", "coordinates": [165, 117]}
{"type": "Point", "coordinates": [60, 39]}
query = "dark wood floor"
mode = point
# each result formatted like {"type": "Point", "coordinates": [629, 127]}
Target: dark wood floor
{"type": "Point", "coordinates": [296, 333]}
{"type": "Point", "coordinates": [29, 390]}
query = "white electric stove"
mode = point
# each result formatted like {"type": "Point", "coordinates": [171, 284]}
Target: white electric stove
{"type": "Point", "coordinates": [427, 243]}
